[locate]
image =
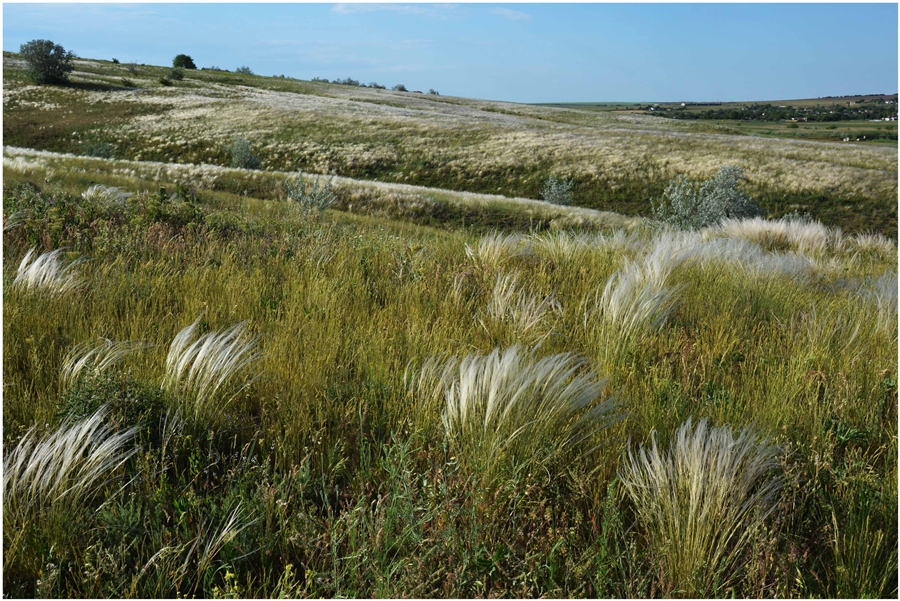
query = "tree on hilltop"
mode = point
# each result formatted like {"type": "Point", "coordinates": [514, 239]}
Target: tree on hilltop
{"type": "Point", "coordinates": [183, 61]}
{"type": "Point", "coordinates": [47, 62]}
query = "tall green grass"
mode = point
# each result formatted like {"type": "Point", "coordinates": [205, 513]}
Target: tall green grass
{"type": "Point", "coordinates": [492, 468]}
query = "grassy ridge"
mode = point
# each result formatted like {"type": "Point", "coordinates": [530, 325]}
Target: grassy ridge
{"type": "Point", "coordinates": [618, 161]}
{"type": "Point", "coordinates": [330, 473]}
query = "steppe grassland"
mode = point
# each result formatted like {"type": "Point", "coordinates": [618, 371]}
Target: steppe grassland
{"type": "Point", "coordinates": [347, 470]}
{"type": "Point", "coordinates": [332, 468]}
{"type": "Point", "coordinates": [618, 160]}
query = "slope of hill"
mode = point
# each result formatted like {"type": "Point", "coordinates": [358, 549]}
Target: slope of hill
{"type": "Point", "coordinates": [618, 161]}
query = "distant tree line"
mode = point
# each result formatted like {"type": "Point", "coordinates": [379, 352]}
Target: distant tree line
{"type": "Point", "coordinates": [349, 81]}
{"type": "Point", "coordinates": [768, 112]}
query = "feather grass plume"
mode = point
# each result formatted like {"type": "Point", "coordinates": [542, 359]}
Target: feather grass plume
{"type": "Point", "coordinates": [198, 370]}
{"type": "Point", "coordinates": [46, 272]}
{"type": "Point", "coordinates": [701, 503]}
{"type": "Point", "coordinates": [95, 357]}
{"type": "Point", "coordinates": [509, 411]}
{"type": "Point", "coordinates": [64, 470]}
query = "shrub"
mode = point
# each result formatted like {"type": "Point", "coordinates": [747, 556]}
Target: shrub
{"type": "Point", "coordinates": [101, 150]}
{"type": "Point", "coordinates": [244, 70]}
{"type": "Point", "coordinates": [183, 61]}
{"type": "Point", "coordinates": [242, 156]}
{"type": "Point", "coordinates": [433, 92]}
{"type": "Point", "coordinates": [129, 402]}
{"type": "Point", "coordinates": [376, 85]}
{"type": "Point", "coordinates": [115, 61]}
{"type": "Point", "coordinates": [48, 63]}
{"type": "Point", "coordinates": [701, 503]}
{"type": "Point", "coordinates": [164, 81]}
{"type": "Point", "coordinates": [316, 197]}
{"type": "Point", "coordinates": [176, 74]}
{"type": "Point", "coordinates": [400, 88]}
{"type": "Point", "coordinates": [556, 191]}
{"type": "Point", "coordinates": [687, 205]}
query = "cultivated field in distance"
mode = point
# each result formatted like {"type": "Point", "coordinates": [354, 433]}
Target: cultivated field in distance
{"type": "Point", "coordinates": [404, 373]}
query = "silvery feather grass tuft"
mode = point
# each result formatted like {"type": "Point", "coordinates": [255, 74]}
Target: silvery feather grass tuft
{"type": "Point", "coordinates": [701, 503]}
{"type": "Point", "coordinates": [64, 470]}
{"type": "Point", "coordinates": [637, 297]}
{"type": "Point", "coordinates": [106, 195]}
{"type": "Point", "coordinates": [46, 272]}
{"type": "Point", "coordinates": [883, 294]}
{"type": "Point", "coordinates": [495, 249]}
{"type": "Point", "coordinates": [509, 411]}
{"type": "Point", "coordinates": [803, 236]}
{"type": "Point", "coordinates": [522, 309]}
{"type": "Point", "coordinates": [96, 357]}
{"type": "Point", "coordinates": [196, 371]}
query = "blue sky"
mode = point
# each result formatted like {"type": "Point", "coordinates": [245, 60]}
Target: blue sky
{"type": "Point", "coordinates": [516, 52]}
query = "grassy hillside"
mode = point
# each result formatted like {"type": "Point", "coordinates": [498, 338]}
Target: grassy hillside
{"type": "Point", "coordinates": [213, 390]}
{"type": "Point", "coordinates": [619, 161]}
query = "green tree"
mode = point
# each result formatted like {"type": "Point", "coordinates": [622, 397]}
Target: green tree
{"type": "Point", "coordinates": [183, 61]}
{"type": "Point", "coordinates": [47, 62]}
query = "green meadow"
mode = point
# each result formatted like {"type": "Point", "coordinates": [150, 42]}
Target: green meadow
{"type": "Point", "coordinates": [433, 384]}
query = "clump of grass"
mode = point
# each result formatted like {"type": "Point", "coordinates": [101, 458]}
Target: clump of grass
{"type": "Point", "coordinates": [525, 311]}
{"type": "Point", "coordinates": [109, 196]}
{"type": "Point", "coordinates": [46, 272]}
{"type": "Point", "coordinates": [197, 370]}
{"type": "Point", "coordinates": [637, 297]}
{"type": "Point", "coordinates": [507, 411]}
{"type": "Point", "coordinates": [63, 471]}
{"type": "Point", "coordinates": [801, 235]}
{"type": "Point", "coordinates": [701, 503]}
{"type": "Point", "coordinates": [495, 249]}
{"type": "Point", "coordinates": [883, 294]}
{"type": "Point", "coordinates": [95, 357]}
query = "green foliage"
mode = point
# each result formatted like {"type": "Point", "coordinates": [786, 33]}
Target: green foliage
{"type": "Point", "coordinates": [556, 191]}
{"type": "Point", "coordinates": [48, 63]}
{"type": "Point", "coordinates": [687, 205]}
{"type": "Point", "coordinates": [399, 88]}
{"type": "Point", "coordinates": [176, 74]}
{"type": "Point", "coordinates": [317, 196]}
{"type": "Point", "coordinates": [183, 61]}
{"type": "Point", "coordinates": [242, 156]}
{"type": "Point", "coordinates": [244, 70]}
{"type": "Point", "coordinates": [129, 401]}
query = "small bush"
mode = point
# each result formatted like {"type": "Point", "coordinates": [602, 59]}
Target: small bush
{"type": "Point", "coordinates": [689, 206]}
{"type": "Point", "coordinates": [183, 61]}
{"type": "Point", "coordinates": [176, 74]}
{"type": "Point", "coordinates": [557, 191]}
{"type": "Point", "coordinates": [102, 150]}
{"type": "Point", "coordinates": [433, 92]}
{"type": "Point", "coordinates": [48, 63]}
{"type": "Point", "coordinates": [115, 61]}
{"type": "Point", "coordinates": [129, 402]}
{"type": "Point", "coordinates": [400, 88]}
{"type": "Point", "coordinates": [315, 197]}
{"type": "Point", "coordinates": [165, 81]}
{"type": "Point", "coordinates": [242, 156]}
{"type": "Point", "coordinates": [244, 70]}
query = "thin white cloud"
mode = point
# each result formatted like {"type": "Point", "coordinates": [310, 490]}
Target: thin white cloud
{"type": "Point", "coordinates": [511, 15]}
{"type": "Point", "coordinates": [427, 10]}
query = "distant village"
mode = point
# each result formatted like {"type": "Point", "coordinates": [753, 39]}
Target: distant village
{"type": "Point", "coordinates": [832, 109]}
